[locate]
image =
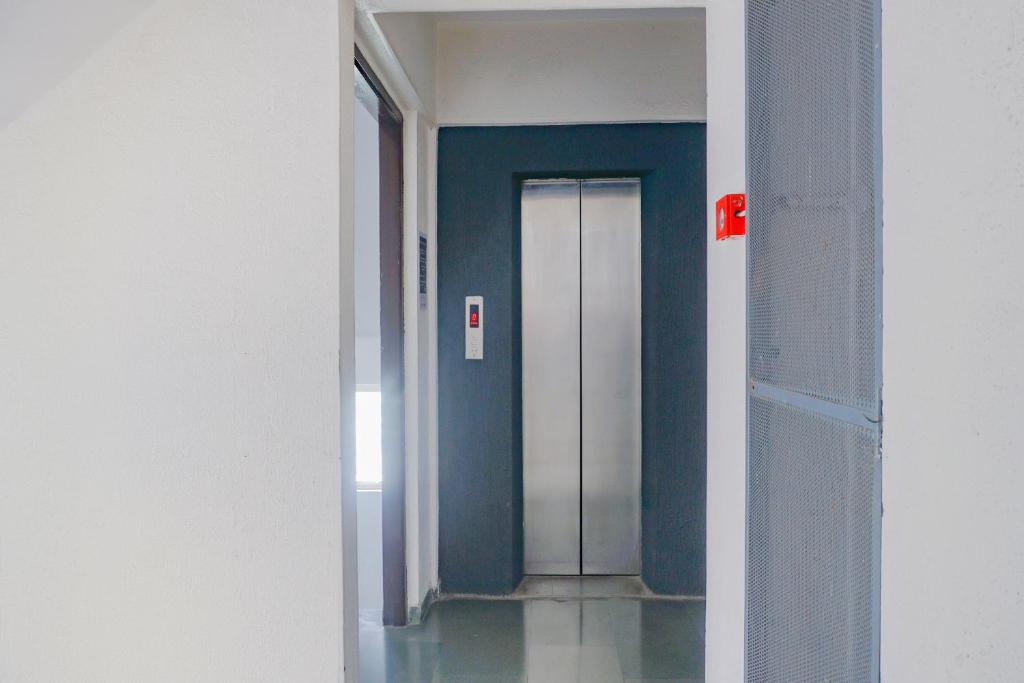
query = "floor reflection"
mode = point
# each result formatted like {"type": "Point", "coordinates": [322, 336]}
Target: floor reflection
{"type": "Point", "coordinates": [541, 640]}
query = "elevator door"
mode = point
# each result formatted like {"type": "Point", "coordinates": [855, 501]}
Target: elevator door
{"type": "Point", "coordinates": [581, 376]}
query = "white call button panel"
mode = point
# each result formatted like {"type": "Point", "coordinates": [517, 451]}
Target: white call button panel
{"type": "Point", "coordinates": [474, 328]}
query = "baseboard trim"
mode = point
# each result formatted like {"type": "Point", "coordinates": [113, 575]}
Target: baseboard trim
{"type": "Point", "coordinates": [418, 613]}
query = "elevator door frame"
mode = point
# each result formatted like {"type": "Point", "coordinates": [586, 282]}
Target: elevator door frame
{"type": "Point", "coordinates": [582, 410]}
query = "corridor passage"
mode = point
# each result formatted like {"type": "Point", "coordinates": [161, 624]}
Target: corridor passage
{"type": "Point", "coordinates": [542, 640]}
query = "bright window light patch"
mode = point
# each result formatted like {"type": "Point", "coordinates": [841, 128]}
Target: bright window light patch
{"type": "Point", "coordinates": [368, 437]}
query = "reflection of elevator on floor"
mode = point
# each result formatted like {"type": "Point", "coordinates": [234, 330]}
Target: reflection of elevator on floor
{"type": "Point", "coordinates": [581, 376]}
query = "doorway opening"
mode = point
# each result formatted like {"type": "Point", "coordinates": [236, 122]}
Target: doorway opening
{"type": "Point", "coordinates": [380, 397]}
{"type": "Point", "coordinates": [580, 263]}
{"type": "Point", "coordinates": [496, 129]}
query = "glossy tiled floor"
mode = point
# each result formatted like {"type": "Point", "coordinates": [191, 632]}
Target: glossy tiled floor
{"type": "Point", "coordinates": [541, 640]}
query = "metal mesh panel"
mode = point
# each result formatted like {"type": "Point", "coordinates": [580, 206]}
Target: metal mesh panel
{"type": "Point", "coordinates": [809, 547]}
{"type": "Point", "coordinates": [813, 341]}
{"type": "Point", "coordinates": [812, 185]}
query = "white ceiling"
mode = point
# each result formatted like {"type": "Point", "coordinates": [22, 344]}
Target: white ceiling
{"type": "Point", "coordinates": [42, 41]}
{"type": "Point", "coordinates": [371, 38]}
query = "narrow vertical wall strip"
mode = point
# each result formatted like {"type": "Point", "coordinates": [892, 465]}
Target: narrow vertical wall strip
{"type": "Point", "coordinates": [348, 646]}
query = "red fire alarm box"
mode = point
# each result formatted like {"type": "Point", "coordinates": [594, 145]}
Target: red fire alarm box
{"type": "Point", "coordinates": [731, 216]}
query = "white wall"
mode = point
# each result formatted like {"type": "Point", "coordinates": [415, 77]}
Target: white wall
{"type": "Point", "coordinates": [570, 70]}
{"type": "Point", "coordinates": [727, 344]}
{"type": "Point", "coordinates": [41, 41]}
{"type": "Point", "coordinates": [432, 348]}
{"type": "Point", "coordinates": [349, 645]}
{"type": "Point", "coordinates": [421, 392]}
{"type": "Point", "coordinates": [367, 246]}
{"type": "Point", "coordinates": [371, 554]}
{"type": "Point", "coordinates": [170, 490]}
{"type": "Point", "coordinates": [953, 151]}
{"type": "Point", "coordinates": [413, 38]}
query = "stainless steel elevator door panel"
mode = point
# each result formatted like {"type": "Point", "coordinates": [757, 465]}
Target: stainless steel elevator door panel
{"type": "Point", "coordinates": [550, 253]}
{"type": "Point", "coordinates": [610, 362]}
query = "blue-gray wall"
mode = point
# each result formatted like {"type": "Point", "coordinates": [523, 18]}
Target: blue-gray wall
{"type": "Point", "coordinates": [480, 402]}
